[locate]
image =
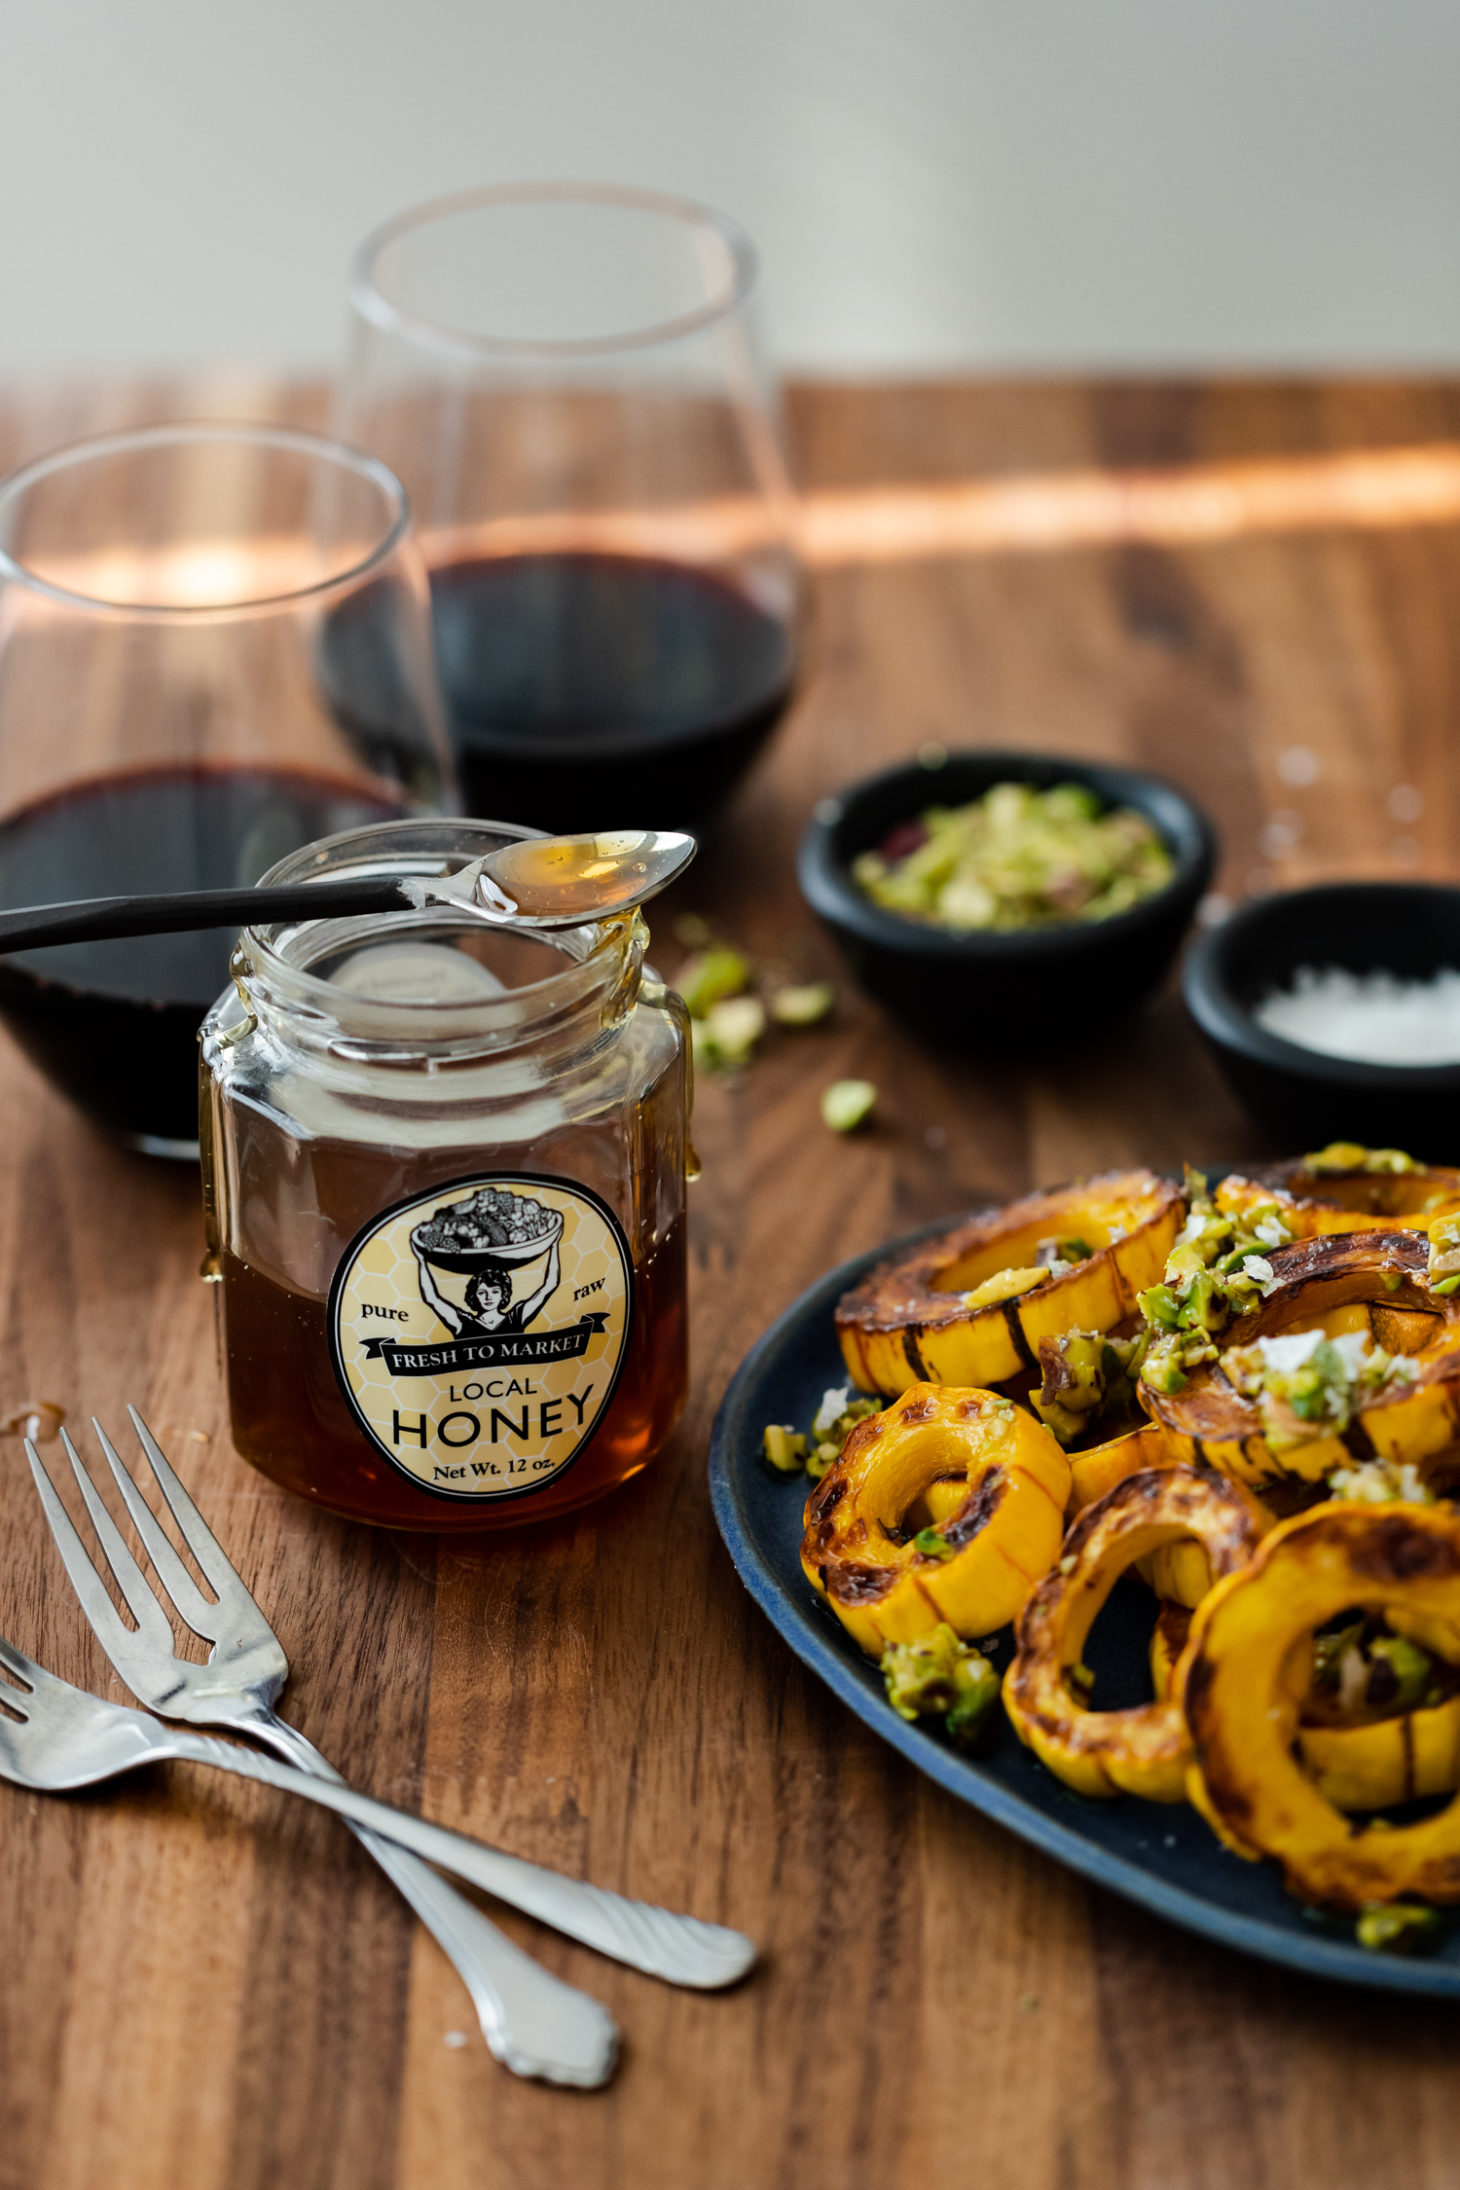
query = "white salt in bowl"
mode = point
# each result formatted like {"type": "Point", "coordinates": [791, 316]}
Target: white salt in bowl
{"type": "Point", "coordinates": [1410, 930]}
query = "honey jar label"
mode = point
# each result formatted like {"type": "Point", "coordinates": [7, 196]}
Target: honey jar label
{"type": "Point", "coordinates": [478, 1330]}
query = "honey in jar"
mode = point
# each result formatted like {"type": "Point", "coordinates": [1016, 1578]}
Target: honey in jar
{"type": "Point", "coordinates": [444, 1173]}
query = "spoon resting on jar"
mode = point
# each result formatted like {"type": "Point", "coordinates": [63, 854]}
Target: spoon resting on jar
{"type": "Point", "coordinates": [534, 882]}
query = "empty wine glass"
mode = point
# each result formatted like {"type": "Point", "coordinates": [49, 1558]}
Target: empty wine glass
{"type": "Point", "coordinates": [567, 379]}
{"type": "Point", "coordinates": [171, 718]}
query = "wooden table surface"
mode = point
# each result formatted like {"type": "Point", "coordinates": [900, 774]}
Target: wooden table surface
{"type": "Point", "coordinates": [1251, 586]}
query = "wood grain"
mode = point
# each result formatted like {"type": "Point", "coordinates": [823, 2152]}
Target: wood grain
{"type": "Point", "coordinates": [204, 1983]}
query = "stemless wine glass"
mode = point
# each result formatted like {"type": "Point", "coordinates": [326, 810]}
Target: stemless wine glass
{"type": "Point", "coordinates": [567, 379]}
{"type": "Point", "coordinates": [175, 714]}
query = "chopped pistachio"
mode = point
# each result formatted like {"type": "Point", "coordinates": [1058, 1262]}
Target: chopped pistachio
{"type": "Point", "coordinates": [820, 1447]}
{"type": "Point", "coordinates": [978, 1692]}
{"type": "Point", "coordinates": [1163, 1368]}
{"type": "Point", "coordinates": [1307, 1385]}
{"type": "Point", "coordinates": [1401, 1674]}
{"type": "Point", "coordinates": [1380, 1483]}
{"type": "Point", "coordinates": [1065, 1253]}
{"type": "Point", "coordinates": [1387, 1927]}
{"type": "Point", "coordinates": [733, 1028]}
{"type": "Point", "coordinates": [939, 1674]}
{"type": "Point", "coordinates": [1083, 1373]}
{"type": "Point", "coordinates": [933, 1545]}
{"type": "Point", "coordinates": [803, 1005]}
{"type": "Point", "coordinates": [710, 977]}
{"type": "Point", "coordinates": [1005, 1285]}
{"type": "Point", "coordinates": [1353, 1156]}
{"type": "Point", "coordinates": [846, 1104]}
{"type": "Point", "coordinates": [1017, 858]}
{"type": "Point", "coordinates": [1217, 1270]}
{"type": "Point", "coordinates": [784, 1447]}
{"type": "Point", "coordinates": [1444, 1262]}
{"type": "Point", "coordinates": [1330, 1651]}
{"type": "Point", "coordinates": [834, 1402]}
{"type": "Point", "coordinates": [1159, 1305]}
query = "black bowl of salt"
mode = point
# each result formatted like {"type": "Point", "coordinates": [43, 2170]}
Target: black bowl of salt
{"type": "Point", "coordinates": [1334, 1013]}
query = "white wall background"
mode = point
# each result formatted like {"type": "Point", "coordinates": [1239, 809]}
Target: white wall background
{"type": "Point", "coordinates": [934, 183]}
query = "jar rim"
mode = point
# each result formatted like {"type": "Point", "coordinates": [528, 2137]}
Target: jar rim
{"type": "Point", "coordinates": [416, 845]}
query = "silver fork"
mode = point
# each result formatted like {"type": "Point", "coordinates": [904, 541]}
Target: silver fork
{"type": "Point", "coordinates": [244, 1674]}
{"type": "Point", "coordinates": [54, 1738]}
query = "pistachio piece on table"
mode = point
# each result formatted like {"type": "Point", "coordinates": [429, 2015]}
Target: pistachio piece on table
{"type": "Point", "coordinates": [846, 1104]}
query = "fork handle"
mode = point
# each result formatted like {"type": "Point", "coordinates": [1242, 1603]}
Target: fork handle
{"type": "Point", "coordinates": [682, 1949]}
{"type": "Point", "coordinates": [533, 2023]}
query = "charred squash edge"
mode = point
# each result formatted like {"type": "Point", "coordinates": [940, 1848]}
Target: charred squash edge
{"type": "Point", "coordinates": [1242, 1718]}
{"type": "Point", "coordinates": [897, 1320]}
{"type": "Point", "coordinates": [1144, 1750]}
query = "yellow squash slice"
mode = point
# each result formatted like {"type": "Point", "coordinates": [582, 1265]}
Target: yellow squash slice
{"type": "Point", "coordinates": [971, 1306]}
{"type": "Point", "coordinates": [979, 1480]}
{"type": "Point", "coordinates": [1373, 1765]}
{"type": "Point", "coordinates": [1101, 1467]}
{"type": "Point", "coordinates": [1243, 1714]}
{"type": "Point", "coordinates": [1353, 1200]}
{"type": "Point", "coordinates": [1369, 1281]}
{"type": "Point", "coordinates": [1144, 1750]}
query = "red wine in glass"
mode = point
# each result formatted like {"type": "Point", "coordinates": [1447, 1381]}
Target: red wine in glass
{"type": "Point", "coordinates": [115, 1025]}
{"type": "Point", "coordinates": [163, 725]}
{"type": "Point", "coordinates": [588, 691]}
{"type": "Point", "coordinates": [569, 380]}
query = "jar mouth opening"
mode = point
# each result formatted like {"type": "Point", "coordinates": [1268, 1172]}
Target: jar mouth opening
{"type": "Point", "coordinates": [285, 952]}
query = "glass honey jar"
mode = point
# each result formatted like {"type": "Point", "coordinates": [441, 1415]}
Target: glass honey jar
{"type": "Point", "coordinates": [444, 1181]}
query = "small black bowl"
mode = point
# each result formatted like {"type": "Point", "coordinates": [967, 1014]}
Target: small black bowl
{"type": "Point", "coordinates": [1410, 929]}
{"type": "Point", "coordinates": [1002, 992]}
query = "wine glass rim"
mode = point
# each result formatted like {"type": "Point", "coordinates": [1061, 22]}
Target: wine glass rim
{"type": "Point", "coordinates": [375, 307]}
{"type": "Point", "coordinates": [294, 440]}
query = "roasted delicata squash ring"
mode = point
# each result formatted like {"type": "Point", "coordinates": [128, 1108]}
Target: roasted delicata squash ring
{"type": "Point", "coordinates": [1145, 1750]}
{"type": "Point", "coordinates": [971, 1306]}
{"type": "Point", "coordinates": [976, 1479]}
{"type": "Point", "coordinates": [1370, 1281]}
{"type": "Point", "coordinates": [1242, 1712]}
{"type": "Point", "coordinates": [1374, 1765]}
{"type": "Point", "coordinates": [1177, 1571]}
{"type": "Point", "coordinates": [1352, 1200]}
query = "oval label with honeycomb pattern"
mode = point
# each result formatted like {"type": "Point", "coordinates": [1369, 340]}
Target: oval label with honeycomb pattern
{"type": "Point", "coordinates": [478, 1330]}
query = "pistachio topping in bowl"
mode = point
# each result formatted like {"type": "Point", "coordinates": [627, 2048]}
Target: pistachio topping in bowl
{"type": "Point", "coordinates": [1017, 857]}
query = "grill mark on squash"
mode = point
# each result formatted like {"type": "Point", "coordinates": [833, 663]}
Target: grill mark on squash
{"type": "Point", "coordinates": [826, 1497]}
{"type": "Point", "coordinates": [1057, 1503]}
{"type": "Point", "coordinates": [912, 1354]}
{"type": "Point", "coordinates": [859, 1584]}
{"type": "Point", "coordinates": [1016, 1335]}
{"type": "Point", "coordinates": [1393, 1549]}
{"type": "Point", "coordinates": [1406, 1740]}
{"type": "Point", "coordinates": [977, 1509]}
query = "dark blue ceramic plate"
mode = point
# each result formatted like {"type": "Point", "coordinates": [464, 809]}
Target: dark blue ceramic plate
{"type": "Point", "coordinates": [1163, 1857]}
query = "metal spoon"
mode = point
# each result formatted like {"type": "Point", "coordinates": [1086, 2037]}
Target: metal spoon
{"type": "Point", "coordinates": [536, 882]}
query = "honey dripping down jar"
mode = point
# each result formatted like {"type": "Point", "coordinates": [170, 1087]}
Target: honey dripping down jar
{"type": "Point", "coordinates": [444, 1184]}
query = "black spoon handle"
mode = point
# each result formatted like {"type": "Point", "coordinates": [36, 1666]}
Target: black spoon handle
{"type": "Point", "coordinates": [95, 919]}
